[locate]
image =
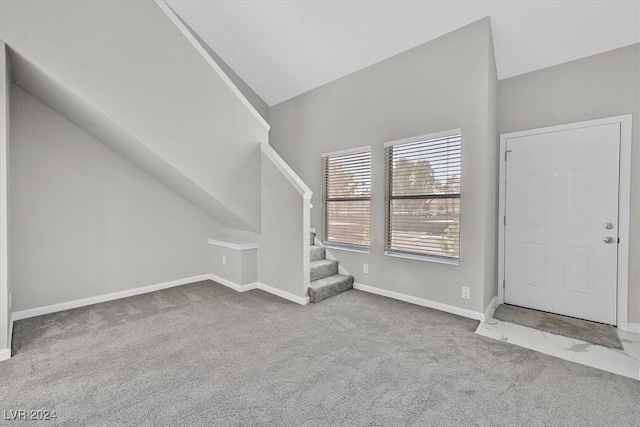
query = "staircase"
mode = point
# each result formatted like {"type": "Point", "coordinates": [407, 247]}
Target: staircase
{"type": "Point", "coordinates": [325, 280]}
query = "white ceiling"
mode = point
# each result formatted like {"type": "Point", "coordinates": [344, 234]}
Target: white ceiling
{"type": "Point", "coordinates": [284, 48]}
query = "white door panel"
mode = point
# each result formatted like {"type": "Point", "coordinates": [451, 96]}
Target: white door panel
{"type": "Point", "coordinates": [561, 190]}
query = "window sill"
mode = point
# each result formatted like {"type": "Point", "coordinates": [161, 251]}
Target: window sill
{"type": "Point", "coordinates": [438, 260]}
{"type": "Point", "coordinates": [348, 248]}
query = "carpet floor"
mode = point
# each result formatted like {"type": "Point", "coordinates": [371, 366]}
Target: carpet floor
{"type": "Point", "coordinates": [203, 354]}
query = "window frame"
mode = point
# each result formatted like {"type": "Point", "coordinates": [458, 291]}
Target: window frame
{"type": "Point", "coordinates": [325, 199]}
{"type": "Point", "coordinates": [389, 197]}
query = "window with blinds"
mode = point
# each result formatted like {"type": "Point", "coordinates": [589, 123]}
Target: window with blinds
{"type": "Point", "coordinates": [346, 196]}
{"type": "Point", "coordinates": [423, 196]}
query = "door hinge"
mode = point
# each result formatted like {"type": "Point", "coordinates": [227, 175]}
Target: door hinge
{"type": "Point", "coordinates": [503, 284]}
{"type": "Point", "coordinates": [504, 220]}
{"type": "Point", "coordinates": [505, 154]}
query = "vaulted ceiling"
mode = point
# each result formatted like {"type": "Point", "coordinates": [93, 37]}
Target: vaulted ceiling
{"type": "Point", "coordinates": [285, 48]}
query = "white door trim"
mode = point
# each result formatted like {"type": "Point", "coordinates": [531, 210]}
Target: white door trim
{"type": "Point", "coordinates": [624, 201]}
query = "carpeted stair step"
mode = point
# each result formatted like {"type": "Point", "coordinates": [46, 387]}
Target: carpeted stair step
{"type": "Point", "coordinates": [317, 253]}
{"type": "Point", "coordinates": [323, 268]}
{"type": "Point", "coordinates": [329, 286]}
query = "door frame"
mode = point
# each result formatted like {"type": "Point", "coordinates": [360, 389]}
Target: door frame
{"type": "Point", "coordinates": [624, 202]}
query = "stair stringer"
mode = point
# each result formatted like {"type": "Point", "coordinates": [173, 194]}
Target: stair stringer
{"type": "Point", "coordinates": [329, 255]}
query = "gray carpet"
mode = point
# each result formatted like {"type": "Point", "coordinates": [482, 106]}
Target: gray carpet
{"type": "Point", "coordinates": [203, 354]}
{"type": "Point", "coordinates": [591, 332]}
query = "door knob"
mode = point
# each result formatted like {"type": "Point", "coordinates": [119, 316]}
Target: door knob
{"type": "Point", "coordinates": [608, 239]}
{"type": "Point", "coordinates": [608, 226]}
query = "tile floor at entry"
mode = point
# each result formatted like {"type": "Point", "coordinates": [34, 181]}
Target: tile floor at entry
{"type": "Point", "coordinates": [622, 362]}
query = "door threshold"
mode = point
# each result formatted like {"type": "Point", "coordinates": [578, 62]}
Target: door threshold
{"type": "Point", "coordinates": [624, 362]}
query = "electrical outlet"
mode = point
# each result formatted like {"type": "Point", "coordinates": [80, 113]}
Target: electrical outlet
{"type": "Point", "coordinates": [365, 268]}
{"type": "Point", "coordinates": [224, 259]}
{"type": "Point", "coordinates": [466, 292]}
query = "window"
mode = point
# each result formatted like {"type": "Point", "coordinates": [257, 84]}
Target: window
{"type": "Point", "coordinates": [346, 197]}
{"type": "Point", "coordinates": [423, 197]}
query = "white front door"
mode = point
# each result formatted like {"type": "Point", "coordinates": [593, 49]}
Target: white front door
{"type": "Point", "coordinates": [561, 232]}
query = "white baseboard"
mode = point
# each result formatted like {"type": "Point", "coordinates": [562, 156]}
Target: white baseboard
{"type": "Point", "coordinates": [633, 327]}
{"type": "Point", "coordinates": [5, 354]}
{"type": "Point", "coordinates": [488, 313]}
{"type": "Point", "coordinates": [232, 285]}
{"type": "Point", "coordinates": [39, 311]}
{"type": "Point", "coordinates": [257, 285]}
{"type": "Point", "coordinates": [283, 294]}
{"type": "Point", "coordinates": [421, 301]}
{"type": "Point", "coordinates": [10, 328]}
{"type": "Point", "coordinates": [329, 255]}
{"type": "Point", "coordinates": [24, 314]}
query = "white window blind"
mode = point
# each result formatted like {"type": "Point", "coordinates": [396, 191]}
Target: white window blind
{"type": "Point", "coordinates": [346, 195]}
{"type": "Point", "coordinates": [423, 197]}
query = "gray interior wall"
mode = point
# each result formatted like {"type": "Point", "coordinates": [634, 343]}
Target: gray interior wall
{"type": "Point", "coordinates": [492, 158]}
{"type": "Point", "coordinates": [599, 86]}
{"type": "Point", "coordinates": [86, 222]}
{"type": "Point", "coordinates": [241, 267]}
{"type": "Point", "coordinates": [5, 89]}
{"type": "Point", "coordinates": [150, 81]}
{"type": "Point", "coordinates": [232, 269]}
{"type": "Point", "coordinates": [93, 121]}
{"type": "Point", "coordinates": [249, 270]}
{"type": "Point", "coordinates": [253, 98]}
{"type": "Point", "coordinates": [438, 86]}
